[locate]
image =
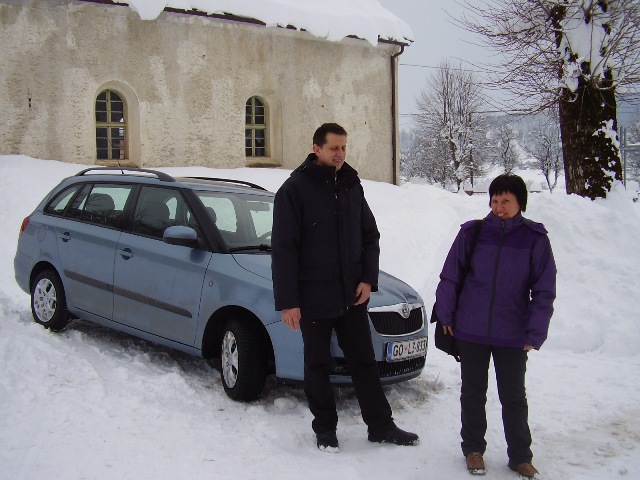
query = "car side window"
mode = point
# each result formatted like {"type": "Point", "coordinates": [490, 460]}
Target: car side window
{"type": "Point", "coordinates": [101, 204]}
{"type": "Point", "coordinates": [160, 208]}
{"type": "Point", "coordinates": [60, 202]}
{"type": "Point", "coordinates": [104, 204]}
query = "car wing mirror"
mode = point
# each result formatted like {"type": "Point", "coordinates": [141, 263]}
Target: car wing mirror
{"type": "Point", "coordinates": [180, 235]}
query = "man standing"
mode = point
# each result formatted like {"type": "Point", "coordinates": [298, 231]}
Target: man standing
{"type": "Point", "coordinates": [325, 255]}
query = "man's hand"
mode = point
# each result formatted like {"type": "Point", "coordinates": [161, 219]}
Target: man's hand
{"type": "Point", "coordinates": [291, 318]}
{"type": "Point", "coordinates": [447, 330]}
{"type": "Point", "coordinates": [363, 292]}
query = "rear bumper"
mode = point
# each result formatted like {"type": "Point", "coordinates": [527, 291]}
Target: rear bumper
{"type": "Point", "coordinates": [22, 267]}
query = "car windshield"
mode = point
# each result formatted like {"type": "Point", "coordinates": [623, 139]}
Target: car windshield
{"type": "Point", "coordinates": [243, 219]}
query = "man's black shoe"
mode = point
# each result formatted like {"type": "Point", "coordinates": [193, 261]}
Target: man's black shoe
{"type": "Point", "coordinates": [327, 442]}
{"type": "Point", "coordinates": [396, 436]}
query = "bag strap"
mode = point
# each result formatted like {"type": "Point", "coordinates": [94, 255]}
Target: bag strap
{"type": "Point", "coordinates": [474, 241]}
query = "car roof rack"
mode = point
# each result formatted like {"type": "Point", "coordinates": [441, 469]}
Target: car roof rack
{"type": "Point", "coordinates": [227, 180]}
{"type": "Point", "coordinates": [160, 175]}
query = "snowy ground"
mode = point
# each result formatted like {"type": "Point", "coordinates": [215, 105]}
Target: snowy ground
{"type": "Point", "coordinates": [90, 403]}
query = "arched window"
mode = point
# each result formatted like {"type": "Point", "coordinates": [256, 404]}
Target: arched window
{"type": "Point", "coordinates": [111, 127]}
{"type": "Point", "coordinates": [255, 132]}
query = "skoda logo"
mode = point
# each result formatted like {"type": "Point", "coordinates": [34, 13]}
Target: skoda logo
{"type": "Point", "coordinates": [405, 310]}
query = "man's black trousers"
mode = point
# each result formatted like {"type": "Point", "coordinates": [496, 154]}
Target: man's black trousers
{"type": "Point", "coordinates": [510, 366]}
{"type": "Point", "coordinates": [354, 338]}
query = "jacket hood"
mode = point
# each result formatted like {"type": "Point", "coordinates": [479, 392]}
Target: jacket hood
{"type": "Point", "coordinates": [508, 224]}
{"type": "Point", "coordinates": [346, 174]}
{"type": "Point", "coordinates": [514, 222]}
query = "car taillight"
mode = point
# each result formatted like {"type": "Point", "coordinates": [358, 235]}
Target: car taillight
{"type": "Point", "coordinates": [25, 222]}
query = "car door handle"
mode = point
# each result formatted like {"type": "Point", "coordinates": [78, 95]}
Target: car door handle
{"type": "Point", "coordinates": [65, 237]}
{"type": "Point", "coordinates": [126, 253]}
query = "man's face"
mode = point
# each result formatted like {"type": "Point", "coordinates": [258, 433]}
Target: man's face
{"type": "Point", "coordinates": [332, 153]}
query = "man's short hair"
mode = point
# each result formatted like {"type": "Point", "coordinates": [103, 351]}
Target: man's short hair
{"type": "Point", "coordinates": [320, 137]}
{"type": "Point", "coordinates": [509, 183]}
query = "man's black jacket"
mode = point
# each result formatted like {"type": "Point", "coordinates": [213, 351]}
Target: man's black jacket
{"type": "Point", "coordinates": [324, 242]}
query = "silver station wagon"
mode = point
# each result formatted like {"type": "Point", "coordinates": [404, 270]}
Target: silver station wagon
{"type": "Point", "coordinates": [185, 262]}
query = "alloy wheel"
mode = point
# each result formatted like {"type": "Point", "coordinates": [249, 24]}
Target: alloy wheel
{"type": "Point", "coordinates": [230, 359]}
{"type": "Point", "coordinates": [45, 300]}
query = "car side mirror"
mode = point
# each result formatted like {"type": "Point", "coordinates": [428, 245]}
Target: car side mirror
{"type": "Point", "coordinates": [182, 236]}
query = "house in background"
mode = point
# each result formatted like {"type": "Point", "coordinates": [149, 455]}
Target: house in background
{"type": "Point", "coordinates": [92, 82]}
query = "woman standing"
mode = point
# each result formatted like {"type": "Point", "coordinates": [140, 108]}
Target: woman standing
{"type": "Point", "coordinates": [503, 311]}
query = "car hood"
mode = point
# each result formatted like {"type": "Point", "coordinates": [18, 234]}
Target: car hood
{"type": "Point", "coordinates": [391, 290]}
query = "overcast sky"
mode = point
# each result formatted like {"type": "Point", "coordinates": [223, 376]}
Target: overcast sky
{"type": "Point", "coordinates": [436, 39]}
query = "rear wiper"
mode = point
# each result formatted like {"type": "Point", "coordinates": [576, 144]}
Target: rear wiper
{"type": "Point", "coordinates": [262, 247]}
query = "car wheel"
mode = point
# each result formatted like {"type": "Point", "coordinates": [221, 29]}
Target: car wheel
{"type": "Point", "coordinates": [48, 303]}
{"type": "Point", "coordinates": [243, 361]}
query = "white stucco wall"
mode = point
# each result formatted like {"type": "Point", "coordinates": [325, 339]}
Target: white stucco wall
{"type": "Point", "coordinates": [185, 80]}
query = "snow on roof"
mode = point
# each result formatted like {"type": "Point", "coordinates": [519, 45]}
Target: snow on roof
{"type": "Point", "coordinates": [329, 19]}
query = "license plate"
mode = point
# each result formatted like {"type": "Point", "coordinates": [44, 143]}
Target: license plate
{"type": "Point", "coordinates": [396, 351]}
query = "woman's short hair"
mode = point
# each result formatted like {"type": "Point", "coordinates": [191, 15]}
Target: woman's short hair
{"type": "Point", "coordinates": [509, 183]}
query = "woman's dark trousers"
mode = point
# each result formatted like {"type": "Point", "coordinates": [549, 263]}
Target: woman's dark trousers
{"type": "Point", "coordinates": [510, 366]}
{"type": "Point", "coordinates": [354, 338]}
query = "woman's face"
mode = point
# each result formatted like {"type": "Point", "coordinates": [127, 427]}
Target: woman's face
{"type": "Point", "coordinates": [505, 205]}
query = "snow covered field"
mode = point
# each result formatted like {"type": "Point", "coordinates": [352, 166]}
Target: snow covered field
{"type": "Point", "coordinates": [90, 403]}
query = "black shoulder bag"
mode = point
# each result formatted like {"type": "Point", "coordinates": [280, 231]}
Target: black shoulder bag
{"type": "Point", "coordinates": [442, 340]}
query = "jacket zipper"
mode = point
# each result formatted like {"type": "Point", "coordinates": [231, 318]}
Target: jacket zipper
{"type": "Point", "coordinates": [494, 282]}
{"type": "Point", "coordinates": [336, 186]}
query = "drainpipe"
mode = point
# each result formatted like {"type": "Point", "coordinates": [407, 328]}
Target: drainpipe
{"type": "Point", "coordinates": [394, 114]}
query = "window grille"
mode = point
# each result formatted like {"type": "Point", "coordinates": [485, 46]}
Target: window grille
{"type": "Point", "coordinates": [111, 127]}
{"type": "Point", "coordinates": [255, 133]}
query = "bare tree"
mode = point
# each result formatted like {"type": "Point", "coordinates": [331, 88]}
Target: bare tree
{"type": "Point", "coordinates": [578, 54]}
{"type": "Point", "coordinates": [411, 164]}
{"type": "Point", "coordinates": [448, 123]}
{"type": "Point", "coordinates": [504, 152]}
{"type": "Point", "coordinates": [546, 146]}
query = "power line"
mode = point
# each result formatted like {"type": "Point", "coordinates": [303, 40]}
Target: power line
{"type": "Point", "coordinates": [485, 71]}
{"type": "Point", "coordinates": [439, 67]}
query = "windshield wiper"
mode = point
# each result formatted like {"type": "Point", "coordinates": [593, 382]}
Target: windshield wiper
{"type": "Point", "coordinates": [263, 247]}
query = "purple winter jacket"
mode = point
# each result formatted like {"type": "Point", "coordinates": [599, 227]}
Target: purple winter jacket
{"type": "Point", "coordinates": [508, 293]}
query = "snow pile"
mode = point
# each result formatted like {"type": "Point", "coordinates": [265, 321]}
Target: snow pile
{"type": "Point", "coordinates": [333, 19]}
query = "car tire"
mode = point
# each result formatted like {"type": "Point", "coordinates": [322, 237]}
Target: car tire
{"type": "Point", "coordinates": [243, 361]}
{"type": "Point", "coordinates": [48, 302]}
